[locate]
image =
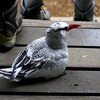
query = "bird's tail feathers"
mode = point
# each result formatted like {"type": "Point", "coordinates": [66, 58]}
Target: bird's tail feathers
{"type": "Point", "coordinates": [15, 73]}
{"type": "Point", "coordinates": [6, 73]}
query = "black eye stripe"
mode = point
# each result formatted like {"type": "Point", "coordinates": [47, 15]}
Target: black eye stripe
{"type": "Point", "coordinates": [65, 28]}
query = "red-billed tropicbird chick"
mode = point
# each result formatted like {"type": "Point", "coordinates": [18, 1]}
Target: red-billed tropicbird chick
{"type": "Point", "coordinates": [45, 57]}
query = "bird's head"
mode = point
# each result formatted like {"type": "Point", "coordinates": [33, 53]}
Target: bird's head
{"type": "Point", "coordinates": [61, 27]}
{"type": "Point", "coordinates": [56, 34]}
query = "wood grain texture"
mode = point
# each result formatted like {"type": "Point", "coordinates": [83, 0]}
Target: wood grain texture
{"type": "Point", "coordinates": [76, 37]}
{"type": "Point", "coordinates": [46, 23]}
{"type": "Point", "coordinates": [72, 82]}
{"type": "Point", "coordinates": [78, 57]}
{"type": "Point", "coordinates": [48, 97]}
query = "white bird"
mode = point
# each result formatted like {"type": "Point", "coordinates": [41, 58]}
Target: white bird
{"type": "Point", "coordinates": [45, 57]}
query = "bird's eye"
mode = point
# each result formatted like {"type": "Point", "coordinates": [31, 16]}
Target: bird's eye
{"type": "Point", "coordinates": [65, 28]}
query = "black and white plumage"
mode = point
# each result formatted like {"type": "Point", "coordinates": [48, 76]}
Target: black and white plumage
{"type": "Point", "coordinates": [45, 57]}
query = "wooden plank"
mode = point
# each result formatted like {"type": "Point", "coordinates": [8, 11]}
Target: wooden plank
{"type": "Point", "coordinates": [76, 37]}
{"type": "Point", "coordinates": [49, 97]}
{"type": "Point", "coordinates": [8, 57]}
{"type": "Point", "coordinates": [84, 37]}
{"type": "Point", "coordinates": [44, 23]}
{"type": "Point", "coordinates": [72, 82]}
{"type": "Point", "coordinates": [64, 18]}
{"type": "Point", "coordinates": [78, 57]}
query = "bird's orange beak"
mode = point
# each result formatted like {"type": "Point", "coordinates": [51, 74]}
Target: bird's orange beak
{"type": "Point", "coordinates": [72, 26]}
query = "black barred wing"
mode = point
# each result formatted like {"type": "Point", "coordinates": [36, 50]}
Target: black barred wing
{"type": "Point", "coordinates": [24, 58]}
{"type": "Point", "coordinates": [21, 60]}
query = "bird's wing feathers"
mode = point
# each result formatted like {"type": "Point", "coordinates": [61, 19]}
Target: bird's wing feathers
{"type": "Point", "coordinates": [24, 58]}
{"type": "Point", "coordinates": [44, 59]}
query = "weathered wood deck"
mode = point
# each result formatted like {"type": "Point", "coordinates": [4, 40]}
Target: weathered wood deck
{"type": "Point", "coordinates": [83, 69]}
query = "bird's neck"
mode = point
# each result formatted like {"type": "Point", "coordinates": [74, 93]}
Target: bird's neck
{"type": "Point", "coordinates": [56, 43]}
